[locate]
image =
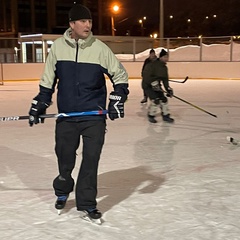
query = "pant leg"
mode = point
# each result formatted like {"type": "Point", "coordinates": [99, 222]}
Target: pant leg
{"type": "Point", "coordinates": [86, 187]}
{"type": "Point", "coordinates": [67, 141]}
{"type": "Point", "coordinates": [158, 99]}
{"type": "Point", "coordinates": [153, 107]}
{"type": "Point", "coordinates": [164, 107]}
{"type": "Point", "coordinates": [144, 93]}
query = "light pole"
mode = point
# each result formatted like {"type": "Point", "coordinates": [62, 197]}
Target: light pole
{"type": "Point", "coordinates": [161, 21]}
{"type": "Point", "coordinates": [115, 9]}
{"type": "Point", "coordinates": [141, 23]}
{"type": "Point", "coordinates": [112, 25]}
{"type": "Point", "coordinates": [16, 54]}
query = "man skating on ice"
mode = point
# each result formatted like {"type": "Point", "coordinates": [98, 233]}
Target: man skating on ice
{"type": "Point", "coordinates": [152, 57]}
{"type": "Point", "coordinates": [77, 63]}
{"type": "Point", "coordinates": [154, 75]}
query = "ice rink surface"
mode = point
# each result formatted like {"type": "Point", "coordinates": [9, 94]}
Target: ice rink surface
{"type": "Point", "coordinates": [156, 181]}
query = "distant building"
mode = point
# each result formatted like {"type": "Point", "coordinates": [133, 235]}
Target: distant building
{"type": "Point", "coordinates": [46, 16]}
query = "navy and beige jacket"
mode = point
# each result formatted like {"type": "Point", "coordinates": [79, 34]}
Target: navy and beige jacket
{"type": "Point", "coordinates": [77, 68]}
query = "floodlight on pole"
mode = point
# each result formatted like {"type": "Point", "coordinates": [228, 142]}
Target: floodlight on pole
{"type": "Point", "coordinates": [161, 21]}
{"type": "Point", "coordinates": [115, 9]}
{"type": "Point", "coordinates": [141, 23]}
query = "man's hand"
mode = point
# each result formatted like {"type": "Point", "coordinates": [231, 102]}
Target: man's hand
{"type": "Point", "coordinates": [116, 105]}
{"type": "Point", "coordinates": [169, 92]}
{"type": "Point", "coordinates": [37, 108]}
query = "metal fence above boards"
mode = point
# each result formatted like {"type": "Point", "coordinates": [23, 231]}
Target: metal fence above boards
{"type": "Point", "coordinates": [34, 48]}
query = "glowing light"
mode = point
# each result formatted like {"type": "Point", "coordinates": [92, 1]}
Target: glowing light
{"type": "Point", "coordinates": [115, 8]}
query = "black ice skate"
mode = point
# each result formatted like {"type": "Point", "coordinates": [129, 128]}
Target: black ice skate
{"type": "Point", "coordinates": [60, 203]}
{"type": "Point", "coordinates": [92, 215]}
{"type": "Point", "coordinates": [152, 119]}
{"type": "Point", "coordinates": [167, 118]}
{"type": "Point", "coordinates": [144, 100]}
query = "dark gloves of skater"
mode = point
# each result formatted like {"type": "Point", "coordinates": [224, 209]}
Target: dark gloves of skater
{"type": "Point", "coordinates": [37, 108]}
{"type": "Point", "coordinates": [116, 105]}
{"type": "Point", "coordinates": [169, 92]}
{"type": "Point", "coordinates": [156, 86]}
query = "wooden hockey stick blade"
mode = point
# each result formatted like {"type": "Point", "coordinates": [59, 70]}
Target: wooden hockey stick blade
{"type": "Point", "coordinates": [201, 109]}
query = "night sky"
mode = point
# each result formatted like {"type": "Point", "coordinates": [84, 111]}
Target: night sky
{"type": "Point", "coordinates": [226, 21]}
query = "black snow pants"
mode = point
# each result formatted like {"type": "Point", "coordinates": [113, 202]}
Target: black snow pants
{"type": "Point", "coordinates": [67, 137]}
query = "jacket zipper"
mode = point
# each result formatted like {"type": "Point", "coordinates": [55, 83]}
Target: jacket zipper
{"type": "Point", "coordinates": [77, 87]}
{"type": "Point", "coordinates": [76, 51]}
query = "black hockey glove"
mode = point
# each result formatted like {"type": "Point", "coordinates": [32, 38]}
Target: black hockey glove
{"type": "Point", "coordinates": [169, 92]}
{"type": "Point", "coordinates": [37, 108]}
{"type": "Point", "coordinates": [156, 86]}
{"type": "Point", "coordinates": [116, 105]}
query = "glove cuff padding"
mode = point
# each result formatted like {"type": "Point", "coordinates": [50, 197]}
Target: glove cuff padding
{"type": "Point", "coordinates": [45, 95]}
{"type": "Point", "coordinates": [121, 88]}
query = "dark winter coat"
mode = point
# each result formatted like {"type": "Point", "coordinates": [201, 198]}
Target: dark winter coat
{"type": "Point", "coordinates": [78, 69]}
{"type": "Point", "coordinates": [156, 70]}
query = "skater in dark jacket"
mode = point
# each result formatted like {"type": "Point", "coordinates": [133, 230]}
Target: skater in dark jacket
{"type": "Point", "coordinates": [77, 63]}
{"type": "Point", "coordinates": [155, 75]}
{"type": "Point", "coordinates": [152, 57]}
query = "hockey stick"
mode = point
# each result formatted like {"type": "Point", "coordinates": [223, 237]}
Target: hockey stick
{"type": "Point", "coordinates": [195, 106]}
{"type": "Point", "coordinates": [59, 115]}
{"type": "Point", "coordinates": [186, 78]}
{"type": "Point", "coordinates": [201, 109]}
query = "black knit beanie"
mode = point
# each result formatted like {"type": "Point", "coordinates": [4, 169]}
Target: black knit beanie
{"type": "Point", "coordinates": [152, 51]}
{"type": "Point", "coordinates": [78, 12]}
{"type": "Point", "coordinates": [163, 53]}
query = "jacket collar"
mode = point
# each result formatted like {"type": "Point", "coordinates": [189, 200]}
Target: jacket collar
{"type": "Point", "coordinates": [82, 43]}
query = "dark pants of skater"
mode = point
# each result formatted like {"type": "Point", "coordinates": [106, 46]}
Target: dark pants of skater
{"type": "Point", "coordinates": [144, 91]}
{"type": "Point", "coordinates": [158, 99]}
{"type": "Point", "coordinates": [67, 137]}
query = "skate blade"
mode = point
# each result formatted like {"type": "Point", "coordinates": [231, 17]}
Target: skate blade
{"type": "Point", "coordinates": [86, 217]}
{"type": "Point", "coordinates": [59, 211]}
